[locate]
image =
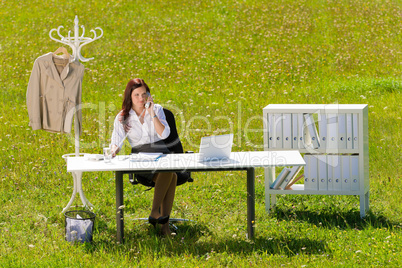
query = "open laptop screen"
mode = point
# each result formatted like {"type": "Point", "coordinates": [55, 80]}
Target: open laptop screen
{"type": "Point", "coordinates": [216, 147]}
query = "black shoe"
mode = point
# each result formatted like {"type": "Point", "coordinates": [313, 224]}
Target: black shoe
{"type": "Point", "coordinates": [163, 219]}
{"type": "Point", "coordinates": [153, 221]}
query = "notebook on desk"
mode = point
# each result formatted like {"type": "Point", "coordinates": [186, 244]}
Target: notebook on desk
{"type": "Point", "coordinates": [215, 148]}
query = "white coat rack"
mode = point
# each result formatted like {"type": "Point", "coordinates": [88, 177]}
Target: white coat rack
{"type": "Point", "coordinates": [76, 43]}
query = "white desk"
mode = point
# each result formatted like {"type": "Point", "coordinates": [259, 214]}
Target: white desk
{"type": "Point", "coordinates": [188, 162]}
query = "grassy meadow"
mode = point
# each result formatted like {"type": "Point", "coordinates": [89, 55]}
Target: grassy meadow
{"type": "Point", "coordinates": [216, 65]}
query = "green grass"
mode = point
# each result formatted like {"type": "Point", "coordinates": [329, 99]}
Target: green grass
{"type": "Point", "coordinates": [216, 64]}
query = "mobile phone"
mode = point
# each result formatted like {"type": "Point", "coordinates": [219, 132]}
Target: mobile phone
{"type": "Point", "coordinates": [148, 102]}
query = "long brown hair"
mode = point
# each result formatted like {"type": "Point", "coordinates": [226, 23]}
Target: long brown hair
{"type": "Point", "coordinates": [127, 101]}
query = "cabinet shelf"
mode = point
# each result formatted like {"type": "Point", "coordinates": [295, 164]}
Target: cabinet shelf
{"type": "Point", "coordinates": [320, 151]}
{"type": "Point", "coordinates": [338, 133]}
{"type": "Point", "coordinates": [299, 189]}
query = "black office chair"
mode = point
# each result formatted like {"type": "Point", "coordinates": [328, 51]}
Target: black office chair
{"type": "Point", "coordinates": [174, 145]}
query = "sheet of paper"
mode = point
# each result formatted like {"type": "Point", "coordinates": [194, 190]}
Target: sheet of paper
{"type": "Point", "coordinates": [145, 156]}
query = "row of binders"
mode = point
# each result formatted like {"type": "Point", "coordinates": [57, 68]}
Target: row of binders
{"type": "Point", "coordinates": [331, 172]}
{"type": "Point", "coordinates": [299, 131]}
{"type": "Point", "coordinates": [323, 173]}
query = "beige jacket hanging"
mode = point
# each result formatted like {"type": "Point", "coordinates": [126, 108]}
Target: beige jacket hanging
{"type": "Point", "coordinates": [51, 98]}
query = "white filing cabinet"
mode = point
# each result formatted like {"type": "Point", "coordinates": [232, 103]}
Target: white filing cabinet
{"type": "Point", "coordinates": [334, 141]}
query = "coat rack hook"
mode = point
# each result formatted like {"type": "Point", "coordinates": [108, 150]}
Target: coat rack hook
{"type": "Point", "coordinates": [76, 42]}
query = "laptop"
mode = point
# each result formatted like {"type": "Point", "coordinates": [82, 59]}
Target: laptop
{"type": "Point", "coordinates": [215, 148]}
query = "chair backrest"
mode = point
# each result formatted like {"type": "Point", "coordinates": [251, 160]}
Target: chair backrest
{"type": "Point", "coordinates": [174, 145]}
{"type": "Point", "coordinates": [173, 141]}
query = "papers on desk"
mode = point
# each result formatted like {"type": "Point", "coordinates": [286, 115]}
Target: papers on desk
{"type": "Point", "coordinates": [145, 157]}
{"type": "Point", "coordinates": [93, 157]}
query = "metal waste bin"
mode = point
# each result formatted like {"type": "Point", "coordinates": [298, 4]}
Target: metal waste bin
{"type": "Point", "coordinates": [79, 225]}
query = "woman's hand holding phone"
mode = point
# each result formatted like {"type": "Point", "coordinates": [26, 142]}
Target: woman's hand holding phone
{"type": "Point", "coordinates": [149, 102]}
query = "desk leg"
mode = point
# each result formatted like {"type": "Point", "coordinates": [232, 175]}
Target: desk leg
{"type": "Point", "coordinates": [250, 202]}
{"type": "Point", "coordinates": [119, 207]}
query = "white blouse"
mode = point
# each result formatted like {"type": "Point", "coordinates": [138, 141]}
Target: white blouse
{"type": "Point", "coordinates": [139, 134]}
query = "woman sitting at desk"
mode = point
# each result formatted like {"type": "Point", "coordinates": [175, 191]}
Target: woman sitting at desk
{"type": "Point", "coordinates": [144, 124]}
